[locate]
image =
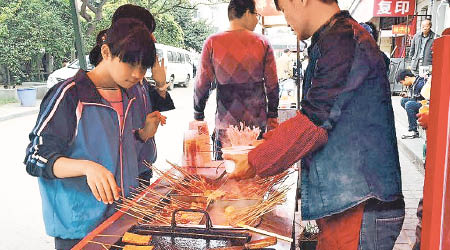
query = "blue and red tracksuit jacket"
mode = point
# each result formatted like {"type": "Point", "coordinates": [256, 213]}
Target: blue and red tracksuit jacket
{"type": "Point", "coordinates": [76, 122]}
{"type": "Point", "coordinates": [147, 101]}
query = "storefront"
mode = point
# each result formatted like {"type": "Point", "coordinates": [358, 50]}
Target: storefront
{"type": "Point", "coordinates": [387, 15]}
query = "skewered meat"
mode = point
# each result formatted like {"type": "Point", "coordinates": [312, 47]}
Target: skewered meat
{"type": "Point", "coordinates": [133, 247]}
{"type": "Point", "coordinates": [136, 238]}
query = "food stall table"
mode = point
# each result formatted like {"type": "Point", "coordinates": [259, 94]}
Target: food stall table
{"type": "Point", "coordinates": [279, 221]}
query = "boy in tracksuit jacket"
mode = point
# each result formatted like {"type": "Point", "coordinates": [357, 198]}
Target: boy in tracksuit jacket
{"type": "Point", "coordinates": [83, 134]}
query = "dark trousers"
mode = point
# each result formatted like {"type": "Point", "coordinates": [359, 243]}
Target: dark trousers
{"type": "Point", "coordinates": [63, 244]}
{"type": "Point", "coordinates": [412, 109]}
{"type": "Point", "coordinates": [381, 224]}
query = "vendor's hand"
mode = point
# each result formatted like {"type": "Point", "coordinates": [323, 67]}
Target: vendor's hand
{"type": "Point", "coordinates": [101, 182]}
{"type": "Point", "coordinates": [256, 143]}
{"type": "Point", "coordinates": [243, 169]}
{"type": "Point", "coordinates": [159, 74]}
{"type": "Point", "coordinates": [403, 94]}
{"type": "Point", "coordinates": [152, 122]}
{"type": "Point", "coordinates": [422, 119]}
{"type": "Point", "coordinates": [272, 123]}
{"type": "Point", "coordinates": [267, 135]}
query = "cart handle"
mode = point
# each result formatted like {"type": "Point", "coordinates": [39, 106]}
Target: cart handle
{"type": "Point", "coordinates": [208, 222]}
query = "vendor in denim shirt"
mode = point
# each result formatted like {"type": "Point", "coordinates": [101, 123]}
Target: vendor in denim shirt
{"type": "Point", "coordinates": [345, 134]}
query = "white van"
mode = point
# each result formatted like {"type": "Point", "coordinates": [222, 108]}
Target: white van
{"type": "Point", "coordinates": [178, 63]}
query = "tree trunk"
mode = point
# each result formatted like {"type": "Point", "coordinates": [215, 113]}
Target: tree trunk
{"type": "Point", "coordinates": [8, 76]}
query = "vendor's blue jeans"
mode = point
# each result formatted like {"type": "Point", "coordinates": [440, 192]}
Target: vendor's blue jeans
{"type": "Point", "coordinates": [381, 224]}
{"type": "Point", "coordinates": [412, 108]}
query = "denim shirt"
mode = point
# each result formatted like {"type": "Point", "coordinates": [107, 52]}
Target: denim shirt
{"type": "Point", "coordinates": [346, 91]}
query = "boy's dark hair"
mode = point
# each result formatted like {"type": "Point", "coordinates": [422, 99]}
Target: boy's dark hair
{"type": "Point", "coordinates": [237, 8]}
{"type": "Point", "coordinates": [130, 40]}
{"type": "Point", "coordinates": [401, 75]}
{"type": "Point", "coordinates": [325, 1]}
{"type": "Point", "coordinates": [137, 12]}
{"type": "Point", "coordinates": [95, 56]}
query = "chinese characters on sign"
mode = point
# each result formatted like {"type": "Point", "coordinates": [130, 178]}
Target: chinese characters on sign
{"type": "Point", "coordinates": [393, 8]}
{"type": "Point", "coordinates": [400, 29]}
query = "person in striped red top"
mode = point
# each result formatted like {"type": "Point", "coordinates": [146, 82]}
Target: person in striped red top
{"type": "Point", "coordinates": [241, 64]}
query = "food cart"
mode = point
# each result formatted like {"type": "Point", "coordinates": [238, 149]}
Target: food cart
{"type": "Point", "coordinates": [278, 222]}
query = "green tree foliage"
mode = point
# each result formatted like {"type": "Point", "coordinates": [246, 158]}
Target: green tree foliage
{"type": "Point", "coordinates": [168, 31]}
{"type": "Point", "coordinates": [30, 27]}
{"type": "Point", "coordinates": [195, 31]}
{"type": "Point", "coordinates": [175, 23]}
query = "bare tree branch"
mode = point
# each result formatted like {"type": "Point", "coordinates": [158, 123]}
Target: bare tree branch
{"type": "Point", "coordinates": [83, 12]}
{"type": "Point", "coordinates": [98, 13]}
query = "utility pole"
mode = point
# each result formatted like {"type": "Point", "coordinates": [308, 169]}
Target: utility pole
{"type": "Point", "coordinates": [77, 32]}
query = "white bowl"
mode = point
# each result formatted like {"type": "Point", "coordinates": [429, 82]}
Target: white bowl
{"type": "Point", "coordinates": [237, 149]}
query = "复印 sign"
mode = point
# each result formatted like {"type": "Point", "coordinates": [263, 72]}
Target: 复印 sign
{"type": "Point", "coordinates": [393, 8]}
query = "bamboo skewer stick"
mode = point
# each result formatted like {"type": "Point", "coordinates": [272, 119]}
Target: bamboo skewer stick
{"type": "Point", "coordinates": [108, 235]}
{"type": "Point", "coordinates": [104, 244]}
{"type": "Point", "coordinates": [141, 214]}
{"type": "Point", "coordinates": [267, 233]}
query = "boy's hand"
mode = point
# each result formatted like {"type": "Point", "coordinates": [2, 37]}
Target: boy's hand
{"type": "Point", "coordinates": [403, 94]}
{"type": "Point", "coordinates": [152, 122]}
{"type": "Point", "coordinates": [159, 74]}
{"type": "Point", "coordinates": [243, 169]}
{"type": "Point", "coordinates": [101, 182]}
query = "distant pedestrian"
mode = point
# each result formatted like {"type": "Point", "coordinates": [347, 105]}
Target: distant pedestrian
{"type": "Point", "coordinates": [420, 51]}
{"type": "Point", "coordinates": [242, 65]}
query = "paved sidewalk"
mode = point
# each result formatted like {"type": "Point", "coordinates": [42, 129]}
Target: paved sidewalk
{"type": "Point", "coordinates": [411, 161]}
{"type": "Point", "coordinates": [14, 110]}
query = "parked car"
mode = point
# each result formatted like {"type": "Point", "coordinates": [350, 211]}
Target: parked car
{"type": "Point", "coordinates": [178, 64]}
{"type": "Point", "coordinates": [66, 72]}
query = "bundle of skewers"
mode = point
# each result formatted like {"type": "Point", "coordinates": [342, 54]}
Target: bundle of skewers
{"type": "Point", "coordinates": [183, 182]}
{"type": "Point", "coordinates": [242, 135]}
{"type": "Point", "coordinates": [156, 208]}
{"type": "Point", "coordinates": [255, 188]}
{"type": "Point", "coordinates": [251, 214]}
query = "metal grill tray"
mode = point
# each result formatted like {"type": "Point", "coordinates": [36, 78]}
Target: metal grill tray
{"type": "Point", "coordinates": [175, 237]}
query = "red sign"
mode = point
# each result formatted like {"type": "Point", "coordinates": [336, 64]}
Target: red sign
{"type": "Point", "coordinates": [399, 29]}
{"type": "Point", "coordinates": [393, 8]}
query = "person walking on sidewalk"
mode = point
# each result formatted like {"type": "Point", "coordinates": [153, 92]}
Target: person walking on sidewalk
{"type": "Point", "coordinates": [411, 100]}
{"type": "Point", "coordinates": [242, 64]}
{"type": "Point", "coordinates": [421, 44]}
{"type": "Point", "coordinates": [344, 134]}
